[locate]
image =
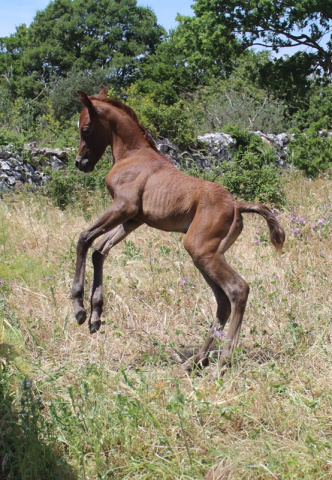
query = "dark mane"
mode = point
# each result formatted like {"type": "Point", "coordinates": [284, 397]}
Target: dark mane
{"type": "Point", "coordinates": [133, 116]}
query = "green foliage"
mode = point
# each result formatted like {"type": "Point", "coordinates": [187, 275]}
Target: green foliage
{"type": "Point", "coordinates": [168, 73]}
{"type": "Point", "coordinates": [208, 48]}
{"type": "Point", "coordinates": [115, 36]}
{"type": "Point", "coordinates": [64, 98]}
{"type": "Point", "coordinates": [271, 24]}
{"type": "Point", "coordinates": [66, 188]}
{"type": "Point", "coordinates": [251, 173]}
{"type": "Point", "coordinates": [315, 108]}
{"type": "Point", "coordinates": [170, 121]}
{"type": "Point", "coordinates": [242, 99]}
{"type": "Point", "coordinates": [201, 78]}
{"type": "Point", "coordinates": [289, 79]}
{"type": "Point", "coordinates": [26, 441]}
{"type": "Point", "coordinates": [8, 137]}
{"type": "Point", "coordinates": [311, 151]}
{"type": "Point", "coordinates": [53, 132]}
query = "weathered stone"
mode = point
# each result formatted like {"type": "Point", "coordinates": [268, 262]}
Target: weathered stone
{"type": "Point", "coordinates": [210, 150]}
{"type": "Point", "coordinates": [56, 164]}
{"type": "Point", "coordinates": [11, 181]}
{"type": "Point", "coordinates": [4, 166]}
{"type": "Point", "coordinates": [222, 139]}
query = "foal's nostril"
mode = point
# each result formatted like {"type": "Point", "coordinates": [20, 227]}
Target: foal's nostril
{"type": "Point", "coordinates": [83, 164]}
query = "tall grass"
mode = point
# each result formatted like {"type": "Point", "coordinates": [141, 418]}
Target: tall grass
{"type": "Point", "coordinates": [116, 405]}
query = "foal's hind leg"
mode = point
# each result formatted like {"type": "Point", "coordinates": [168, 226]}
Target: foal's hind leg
{"type": "Point", "coordinates": [237, 291]}
{"type": "Point", "coordinates": [223, 312]}
{"type": "Point", "coordinates": [101, 251]}
{"type": "Point", "coordinates": [207, 251]}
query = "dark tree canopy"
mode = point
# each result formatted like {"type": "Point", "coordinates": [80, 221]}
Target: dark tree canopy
{"type": "Point", "coordinates": [173, 80]}
{"type": "Point", "coordinates": [114, 35]}
{"type": "Point", "coordinates": [273, 24]}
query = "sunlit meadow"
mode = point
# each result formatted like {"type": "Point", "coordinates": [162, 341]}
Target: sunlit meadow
{"type": "Point", "coordinates": [117, 405]}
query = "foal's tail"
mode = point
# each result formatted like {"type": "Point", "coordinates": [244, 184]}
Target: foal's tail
{"type": "Point", "coordinates": [277, 233]}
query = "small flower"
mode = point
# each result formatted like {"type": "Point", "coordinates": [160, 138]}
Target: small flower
{"type": "Point", "coordinates": [217, 333]}
{"type": "Point", "coordinates": [2, 281]}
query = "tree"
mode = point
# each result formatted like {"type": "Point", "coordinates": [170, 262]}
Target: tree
{"type": "Point", "coordinates": [11, 49]}
{"type": "Point", "coordinates": [273, 24]}
{"type": "Point", "coordinates": [185, 60]}
{"type": "Point", "coordinates": [113, 35]}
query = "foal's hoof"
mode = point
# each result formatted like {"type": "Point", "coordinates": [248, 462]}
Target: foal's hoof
{"type": "Point", "coordinates": [80, 316]}
{"type": "Point", "coordinates": [194, 364]}
{"type": "Point", "coordinates": [95, 326]}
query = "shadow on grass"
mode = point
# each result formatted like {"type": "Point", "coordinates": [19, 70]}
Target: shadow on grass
{"type": "Point", "coordinates": [27, 446]}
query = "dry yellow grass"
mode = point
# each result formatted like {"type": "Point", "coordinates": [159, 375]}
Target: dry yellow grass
{"type": "Point", "coordinates": [267, 417]}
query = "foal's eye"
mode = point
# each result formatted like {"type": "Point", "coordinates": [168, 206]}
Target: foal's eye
{"type": "Point", "coordinates": [86, 130]}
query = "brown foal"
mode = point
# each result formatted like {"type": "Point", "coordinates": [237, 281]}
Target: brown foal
{"type": "Point", "coordinates": [147, 189]}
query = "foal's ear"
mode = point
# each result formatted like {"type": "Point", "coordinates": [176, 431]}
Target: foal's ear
{"type": "Point", "coordinates": [85, 99]}
{"type": "Point", "coordinates": [103, 93]}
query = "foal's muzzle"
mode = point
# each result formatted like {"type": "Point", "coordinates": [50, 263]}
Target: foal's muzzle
{"type": "Point", "coordinates": [83, 164]}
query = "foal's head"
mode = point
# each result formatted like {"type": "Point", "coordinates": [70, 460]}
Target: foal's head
{"type": "Point", "coordinates": [94, 136]}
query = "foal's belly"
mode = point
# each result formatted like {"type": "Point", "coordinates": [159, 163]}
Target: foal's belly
{"type": "Point", "coordinates": [171, 223]}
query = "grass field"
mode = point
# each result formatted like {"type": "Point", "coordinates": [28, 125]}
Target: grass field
{"type": "Point", "coordinates": [116, 405]}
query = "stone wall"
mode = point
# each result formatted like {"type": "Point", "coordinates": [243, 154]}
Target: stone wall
{"type": "Point", "coordinates": [213, 148]}
{"type": "Point", "coordinates": [18, 168]}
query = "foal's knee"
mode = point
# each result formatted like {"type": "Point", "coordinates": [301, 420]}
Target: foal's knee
{"type": "Point", "coordinates": [83, 240]}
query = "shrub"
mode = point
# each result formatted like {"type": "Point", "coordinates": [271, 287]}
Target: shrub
{"type": "Point", "coordinates": [66, 187]}
{"type": "Point", "coordinates": [251, 173]}
{"type": "Point", "coordinates": [316, 107]}
{"type": "Point", "coordinates": [238, 103]}
{"type": "Point", "coordinates": [9, 137]}
{"type": "Point", "coordinates": [169, 121]}
{"type": "Point", "coordinates": [311, 152]}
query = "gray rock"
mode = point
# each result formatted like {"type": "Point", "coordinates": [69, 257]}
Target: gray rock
{"type": "Point", "coordinates": [210, 151]}
{"type": "Point", "coordinates": [5, 166]}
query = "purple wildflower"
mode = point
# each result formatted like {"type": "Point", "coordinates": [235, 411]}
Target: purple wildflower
{"type": "Point", "coordinates": [217, 333]}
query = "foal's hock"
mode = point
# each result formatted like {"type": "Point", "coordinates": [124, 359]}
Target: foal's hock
{"type": "Point", "coordinates": [147, 189]}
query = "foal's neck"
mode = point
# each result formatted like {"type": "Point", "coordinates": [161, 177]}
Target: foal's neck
{"type": "Point", "coordinates": [126, 135]}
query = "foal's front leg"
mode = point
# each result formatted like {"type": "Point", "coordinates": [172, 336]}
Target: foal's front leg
{"type": "Point", "coordinates": [118, 213]}
{"type": "Point", "coordinates": [101, 250]}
